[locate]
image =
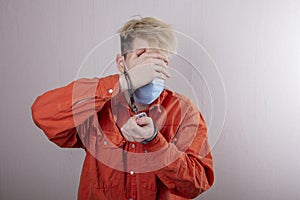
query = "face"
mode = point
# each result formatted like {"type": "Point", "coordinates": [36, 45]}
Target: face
{"type": "Point", "coordinates": [141, 47]}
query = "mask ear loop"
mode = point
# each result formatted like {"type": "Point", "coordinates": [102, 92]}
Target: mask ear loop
{"type": "Point", "coordinates": [130, 89]}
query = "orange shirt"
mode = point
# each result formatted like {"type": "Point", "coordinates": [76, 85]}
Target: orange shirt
{"type": "Point", "coordinates": [88, 114]}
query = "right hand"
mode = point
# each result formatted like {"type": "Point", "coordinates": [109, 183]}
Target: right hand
{"type": "Point", "coordinates": [138, 129]}
{"type": "Point", "coordinates": [143, 66]}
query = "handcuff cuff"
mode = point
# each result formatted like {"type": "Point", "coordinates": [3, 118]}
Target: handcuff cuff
{"type": "Point", "coordinates": [135, 109]}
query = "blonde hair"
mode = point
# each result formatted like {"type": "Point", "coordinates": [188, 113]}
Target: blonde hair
{"type": "Point", "coordinates": [156, 32]}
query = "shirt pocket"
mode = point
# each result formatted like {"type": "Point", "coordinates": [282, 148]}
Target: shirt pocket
{"type": "Point", "coordinates": [109, 178]}
{"type": "Point", "coordinates": [148, 181]}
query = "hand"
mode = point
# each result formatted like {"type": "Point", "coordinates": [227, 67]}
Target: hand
{"type": "Point", "coordinates": [138, 129]}
{"type": "Point", "coordinates": [144, 65]}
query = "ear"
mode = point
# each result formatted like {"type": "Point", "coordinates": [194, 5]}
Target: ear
{"type": "Point", "coordinates": [120, 63]}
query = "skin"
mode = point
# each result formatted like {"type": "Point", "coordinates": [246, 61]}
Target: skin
{"type": "Point", "coordinates": [143, 64]}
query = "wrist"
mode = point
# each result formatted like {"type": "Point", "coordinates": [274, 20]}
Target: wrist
{"type": "Point", "coordinates": [122, 83]}
{"type": "Point", "coordinates": [146, 141]}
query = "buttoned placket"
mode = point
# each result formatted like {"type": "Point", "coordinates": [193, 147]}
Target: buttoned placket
{"type": "Point", "coordinates": [131, 148]}
{"type": "Point", "coordinates": [131, 174]}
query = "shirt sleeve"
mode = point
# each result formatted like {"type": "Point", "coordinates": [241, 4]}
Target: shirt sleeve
{"type": "Point", "coordinates": [192, 173]}
{"type": "Point", "coordinates": [61, 112]}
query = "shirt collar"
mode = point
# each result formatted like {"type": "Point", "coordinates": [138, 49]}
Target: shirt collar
{"type": "Point", "coordinates": [120, 101]}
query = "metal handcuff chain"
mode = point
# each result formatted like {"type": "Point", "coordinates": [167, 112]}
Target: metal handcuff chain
{"type": "Point", "coordinates": [134, 107]}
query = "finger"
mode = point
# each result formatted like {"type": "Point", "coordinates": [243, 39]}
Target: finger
{"type": "Point", "coordinates": [129, 126]}
{"type": "Point", "coordinates": [157, 61]}
{"type": "Point", "coordinates": [161, 76]}
{"type": "Point", "coordinates": [153, 55]}
{"type": "Point", "coordinates": [163, 71]}
{"type": "Point", "coordinates": [124, 133]}
{"type": "Point", "coordinates": [134, 126]}
{"type": "Point", "coordinates": [147, 58]}
{"type": "Point", "coordinates": [143, 121]}
{"type": "Point", "coordinates": [134, 54]}
{"type": "Point", "coordinates": [131, 138]}
{"type": "Point", "coordinates": [152, 65]}
{"type": "Point", "coordinates": [139, 52]}
{"type": "Point", "coordinates": [127, 135]}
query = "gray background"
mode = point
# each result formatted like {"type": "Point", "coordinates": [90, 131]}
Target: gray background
{"type": "Point", "coordinates": [255, 44]}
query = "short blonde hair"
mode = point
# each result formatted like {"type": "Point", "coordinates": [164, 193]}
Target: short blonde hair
{"type": "Point", "coordinates": [156, 32]}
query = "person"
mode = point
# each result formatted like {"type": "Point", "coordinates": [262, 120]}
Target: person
{"type": "Point", "coordinates": [142, 141]}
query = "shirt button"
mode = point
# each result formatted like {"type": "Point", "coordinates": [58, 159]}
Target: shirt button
{"type": "Point", "coordinates": [131, 172]}
{"type": "Point", "coordinates": [105, 143]}
{"type": "Point", "coordinates": [133, 146]}
{"type": "Point", "coordinates": [110, 91]}
{"type": "Point", "coordinates": [146, 151]}
{"type": "Point", "coordinates": [130, 198]}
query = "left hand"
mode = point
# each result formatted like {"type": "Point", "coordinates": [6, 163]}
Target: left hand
{"type": "Point", "coordinates": [138, 129]}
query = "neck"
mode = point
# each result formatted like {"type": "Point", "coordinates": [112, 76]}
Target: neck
{"type": "Point", "coordinates": [139, 106]}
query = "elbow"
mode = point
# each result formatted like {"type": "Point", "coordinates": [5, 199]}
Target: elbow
{"type": "Point", "coordinates": [196, 191]}
{"type": "Point", "coordinates": [189, 193]}
{"type": "Point", "coordinates": [203, 183]}
{"type": "Point", "coordinates": [34, 113]}
{"type": "Point", "coordinates": [205, 179]}
{"type": "Point", "coordinates": [210, 178]}
{"type": "Point", "coordinates": [192, 190]}
{"type": "Point", "coordinates": [199, 190]}
{"type": "Point", "coordinates": [40, 115]}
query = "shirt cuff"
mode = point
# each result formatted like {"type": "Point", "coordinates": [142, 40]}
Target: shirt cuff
{"type": "Point", "coordinates": [108, 86]}
{"type": "Point", "coordinates": [159, 142]}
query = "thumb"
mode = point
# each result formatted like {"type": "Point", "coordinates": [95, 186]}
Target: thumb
{"type": "Point", "coordinates": [143, 121]}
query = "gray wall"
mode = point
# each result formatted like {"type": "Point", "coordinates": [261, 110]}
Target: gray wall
{"type": "Point", "coordinates": [255, 44]}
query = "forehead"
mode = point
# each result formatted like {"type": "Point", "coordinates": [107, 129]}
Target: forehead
{"type": "Point", "coordinates": [140, 43]}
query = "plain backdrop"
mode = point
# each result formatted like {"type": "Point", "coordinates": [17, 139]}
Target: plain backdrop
{"type": "Point", "coordinates": [255, 44]}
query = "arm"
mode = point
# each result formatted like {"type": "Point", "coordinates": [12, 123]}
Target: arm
{"type": "Point", "coordinates": [58, 112]}
{"type": "Point", "coordinates": [192, 172]}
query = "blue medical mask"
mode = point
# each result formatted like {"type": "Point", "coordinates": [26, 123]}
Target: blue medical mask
{"type": "Point", "coordinates": [148, 93]}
